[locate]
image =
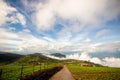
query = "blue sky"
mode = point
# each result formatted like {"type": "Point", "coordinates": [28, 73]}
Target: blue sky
{"type": "Point", "coordinates": [70, 27]}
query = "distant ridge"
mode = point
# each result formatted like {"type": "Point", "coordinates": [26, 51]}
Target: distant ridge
{"type": "Point", "coordinates": [58, 55]}
{"type": "Point", "coordinates": [12, 58]}
{"type": "Point", "coordinates": [36, 57]}
{"type": "Point", "coordinates": [6, 57]}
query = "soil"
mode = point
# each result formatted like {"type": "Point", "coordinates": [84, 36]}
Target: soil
{"type": "Point", "coordinates": [63, 74]}
{"type": "Point", "coordinates": [42, 75]}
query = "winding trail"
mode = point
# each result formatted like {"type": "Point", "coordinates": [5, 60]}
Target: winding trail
{"type": "Point", "coordinates": [63, 74]}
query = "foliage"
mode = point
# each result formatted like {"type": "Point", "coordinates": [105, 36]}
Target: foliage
{"type": "Point", "coordinates": [7, 58]}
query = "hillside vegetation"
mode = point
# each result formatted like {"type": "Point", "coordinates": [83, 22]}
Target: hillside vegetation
{"type": "Point", "coordinates": [36, 58]}
{"type": "Point", "coordinates": [7, 58]}
{"type": "Point", "coordinates": [11, 58]}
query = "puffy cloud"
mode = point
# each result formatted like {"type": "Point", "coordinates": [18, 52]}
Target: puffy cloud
{"type": "Point", "coordinates": [107, 61]}
{"type": "Point", "coordinates": [4, 10]}
{"type": "Point", "coordinates": [21, 19]}
{"type": "Point", "coordinates": [44, 19]}
{"type": "Point", "coordinates": [78, 11]}
{"type": "Point", "coordinates": [76, 18]}
{"type": "Point", "coordinates": [113, 62]}
{"type": "Point", "coordinates": [83, 56]}
{"type": "Point", "coordinates": [10, 14]}
{"type": "Point", "coordinates": [96, 60]}
{"type": "Point", "coordinates": [48, 55]}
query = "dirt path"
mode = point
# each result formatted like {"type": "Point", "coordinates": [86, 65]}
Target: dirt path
{"type": "Point", "coordinates": [63, 74]}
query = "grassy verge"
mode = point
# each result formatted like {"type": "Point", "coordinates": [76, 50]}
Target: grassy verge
{"type": "Point", "coordinates": [94, 73]}
{"type": "Point", "coordinates": [13, 72]}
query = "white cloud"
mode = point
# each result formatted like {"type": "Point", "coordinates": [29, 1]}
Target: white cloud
{"type": "Point", "coordinates": [107, 61]}
{"type": "Point", "coordinates": [102, 33]}
{"type": "Point", "coordinates": [107, 47]}
{"type": "Point", "coordinates": [88, 40]}
{"type": "Point", "coordinates": [96, 60]}
{"type": "Point", "coordinates": [113, 62]}
{"type": "Point", "coordinates": [21, 18]}
{"type": "Point", "coordinates": [54, 57]}
{"type": "Point", "coordinates": [76, 18]}
{"type": "Point", "coordinates": [6, 10]}
{"type": "Point", "coordinates": [80, 11]}
{"type": "Point", "coordinates": [12, 28]}
{"type": "Point", "coordinates": [6, 34]}
{"type": "Point", "coordinates": [44, 19]}
{"type": "Point", "coordinates": [26, 30]}
{"type": "Point", "coordinates": [26, 42]}
{"type": "Point", "coordinates": [9, 41]}
{"type": "Point", "coordinates": [77, 56]}
{"type": "Point", "coordinates": [49, 39]}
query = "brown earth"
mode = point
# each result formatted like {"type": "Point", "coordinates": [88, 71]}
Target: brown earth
{"type": "Point", "coordinates": [63, 74]}
{"type": "Point", "coordinates": [42, 75]}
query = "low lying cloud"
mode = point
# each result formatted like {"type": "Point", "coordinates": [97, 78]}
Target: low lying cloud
{"type": "Point", "coordinates": [51, 56]}
{"type": "Point", "coordinates": [107, 61]}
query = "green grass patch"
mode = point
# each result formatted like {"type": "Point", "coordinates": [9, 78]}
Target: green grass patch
{"type": "Point", "coordinates": [13, 72]}
{"type": "Point", "coordinates": [94, 73]}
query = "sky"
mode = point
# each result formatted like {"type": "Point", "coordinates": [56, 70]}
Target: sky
{"type": "Point", "coordinates": [80, 29]}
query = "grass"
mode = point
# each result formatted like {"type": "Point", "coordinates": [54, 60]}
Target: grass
{"type": "Point", "coordinates": [13, 72]}
{"type": "Point", "coordinates": [94, 73]}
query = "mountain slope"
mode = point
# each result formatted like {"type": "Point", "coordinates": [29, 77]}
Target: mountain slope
{"type": "Point", "coordinates": [36, 58]}
{"type": "Point", "coordinates": [6, 57]}
{"type": "Point", "coordinates": [58, 55]}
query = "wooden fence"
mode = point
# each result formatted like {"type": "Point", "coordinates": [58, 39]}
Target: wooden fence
{"type": "Point", "coordinates": [23, 70]}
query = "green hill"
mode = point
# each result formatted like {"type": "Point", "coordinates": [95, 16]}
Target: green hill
{"type": "Point", "coordinates": [36, 58]}
{"type": "Point", "coordinates": [7, 58]}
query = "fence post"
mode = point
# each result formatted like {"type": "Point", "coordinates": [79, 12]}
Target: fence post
{"type": "Point", "coordinates": [21, 74]}
{"type": "Point", "coordinates": [33, 68]}
{"type": "Point", "coordinates": [40, 66]}
{"type": "Point", "coordinates": [0, 74]}
{"type": "Point", "coordinates": [44, 66]}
